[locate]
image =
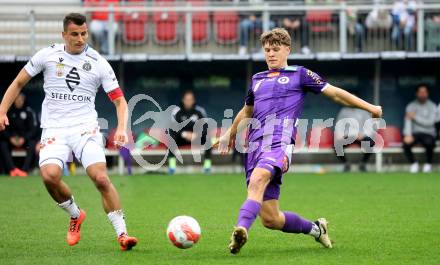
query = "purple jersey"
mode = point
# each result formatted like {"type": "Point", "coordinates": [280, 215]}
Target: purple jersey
{"type": "Point", "coordinates": [278, 100]}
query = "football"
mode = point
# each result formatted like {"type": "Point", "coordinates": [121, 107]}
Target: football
{"type": "Point", "coordinates": [183, 231]}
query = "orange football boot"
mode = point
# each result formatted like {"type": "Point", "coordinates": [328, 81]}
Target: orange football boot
{"type": "Point", "coordinates": [74, 233]}
{"type": "Point", "coordinates": [127, 242]}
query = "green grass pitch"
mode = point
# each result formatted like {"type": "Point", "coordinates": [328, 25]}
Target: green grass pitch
{"type": "Point", "coordinates": [374, 219]}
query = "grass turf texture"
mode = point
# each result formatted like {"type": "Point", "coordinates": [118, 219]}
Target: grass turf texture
{"type": "Point", "coordinates": [374, 219]}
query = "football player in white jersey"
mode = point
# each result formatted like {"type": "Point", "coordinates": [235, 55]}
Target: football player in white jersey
{"type": "Point", "coordinates": [73, 72]}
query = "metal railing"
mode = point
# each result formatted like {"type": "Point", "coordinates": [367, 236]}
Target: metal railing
{"type": "Point", "coordinates": [218, 30]}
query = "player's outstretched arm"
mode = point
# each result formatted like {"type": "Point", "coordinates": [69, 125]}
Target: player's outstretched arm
{"type": "Point", "coordinates": [11, 94]}
{"type": "Point", "coordinates": [225, 142]}
{"type": "Point", "coordinates": [121, 137]}
{"type": "Point", "coordinates": [345, 98]}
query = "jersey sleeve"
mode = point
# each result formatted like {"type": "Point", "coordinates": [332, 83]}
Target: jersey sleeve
{"type": "Point", "coordinates": [108, 78]}
{"type": "Point", "coordinates": [36, 64]}
{"type": "Point", "coordinates": [311, 81]}
{"type": "Point", "coordinates": [249, 99]}
{"type": "Point", "coordinates": [202, 112]}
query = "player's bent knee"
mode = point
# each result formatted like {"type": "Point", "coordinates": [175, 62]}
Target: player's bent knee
{"type": "Point", "coordinates": [270, 222]}
{"type": "Point", "coordinates": [102, 182]}
{"type": "Point", "coordinates": [51, 175]}
{"type": "Point", "coordinates": [258, 183]}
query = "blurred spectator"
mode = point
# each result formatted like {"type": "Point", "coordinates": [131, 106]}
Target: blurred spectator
{"type": "Point", "coordinates": [188, 110]}
{"type": "Point", "coordinates": [404, 19]}
{"type": "Point", "coordinates": [437, 122]}
{"type": "Point", "coordinates": [432, 27]}
{"type": "Point", "coordinates": [3, 170]}
{"type": "Point", "coordinates": [99, 25]}
{"type": "Point", "coordinates": [21, 133]}
{"type": "Point", "coordinates": [419, 128]}
{"type": "Point", "coordinates": [360, 117]}
{"type": "Point", "coordinates": [251, 25]}
{"type": "Point", "coordinates": [295, 23]}
{"type": "Point", "coordinates": [378, 19]}
{"type": "Point", "coordinates": [355, 28]}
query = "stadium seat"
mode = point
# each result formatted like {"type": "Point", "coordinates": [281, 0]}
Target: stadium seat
{"type": "Point", "coordinates": [165, 24]}
{"type": "Point", "coordinates": [135, 26]}
{"type": "Point", "coordinates": [226, 27]}
{"type": "Point", "coordinates": [200, 23]}
{"type": "Point", "coordinates": [103, 15]}
{"type": "Point", "coordinates": [299, 142]}
{"type": "Point", "coordinates": [391, 136]}
{"type": "Point", "coordinates": [319, 137]}
{"type": "Point", "coordinates": [319, 20]}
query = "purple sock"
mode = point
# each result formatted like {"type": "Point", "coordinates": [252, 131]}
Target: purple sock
{"type": "Point", "coordinates": [296, 224]}
{"type": "Point", "coordinates": [248, 213]}
{"type": "Point", "coordinates": [125, 153]}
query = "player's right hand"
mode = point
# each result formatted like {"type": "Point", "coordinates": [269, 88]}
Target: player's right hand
{"type": "Point", "coordinates": [3, 121]}
{"type": "Point", "coordinates": [120, 138]}
{"type": "Point", "coordinates": [224, 143]}
{"type": "Point", "coordinates": [377, 112]}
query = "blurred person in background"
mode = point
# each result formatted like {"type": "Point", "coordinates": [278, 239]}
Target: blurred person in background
{"type": "Point", "coordinates": [99, 25]}
{"type": "Point", "coordinates": [22, 133]}
{"type": "Point", "coordinates": [188, 110]}
{"type": "Point", "coordinates": [251, 25]}
{"type": "Point", "coordinates": [2, 164]}
{"type": "Point", "coordinates": [432, 27]}
{"type": "Point", "coordinates": [360, 116]}
{"type": "Point", "coordinates": [419, 128]}
{"type": "Point", "coordinates": [404, 20]}
{"type": "Point", "coordinates": [295, 23]}
{"type": "Point", "coordinates": [355, 29]}
{"type": "Point", "coordinates": [379, 19]}
{"type": "Point", "coordinates": [437, 122]}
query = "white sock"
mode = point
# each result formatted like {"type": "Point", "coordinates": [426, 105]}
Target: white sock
{"type": "Point", "coordinates": [70, 207]}
{"type": "Point", "coordinates": [315, 232]}
{"type": "Point", "coordinates": [118, 221]}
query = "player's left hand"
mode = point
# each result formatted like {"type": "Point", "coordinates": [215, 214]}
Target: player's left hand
{"type": "Point", "coordinates": [377, 112]}
{"type": "Point", "coordinates": [3, 121]}
{"type": "Point", "coordinates": [120, 138]}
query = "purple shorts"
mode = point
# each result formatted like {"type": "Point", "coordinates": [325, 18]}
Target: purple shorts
{"type": "Point", "coordinates": [271, 160]}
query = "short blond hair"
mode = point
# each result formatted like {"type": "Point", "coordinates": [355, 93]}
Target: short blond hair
{"type": "Point", "coordinates": [276, 36]}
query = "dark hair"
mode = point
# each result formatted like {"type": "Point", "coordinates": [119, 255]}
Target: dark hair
{"type": "Point", "coordinates": [187, 91]}
{"type": "Point", "coordinates": [419, 86]}
{"type": "Point", "coordinates": [75, 18]}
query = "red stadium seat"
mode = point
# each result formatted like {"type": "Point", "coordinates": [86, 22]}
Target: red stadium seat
{"type": "Point", "coordinates": [165, 24]}
{"type": "Point", "coordinates": [391, 136]}
{"type": "Point", "coordinates": [319, 20]}
{"type": "Point", "coordinates": [299, 142]}
{"type": "Point", "coordinates": [200, 23]}
{"type": "Point", "coordinates": [103, 15]}
{"type": "Point", "coordinates": [319, 137]}
{"type": "Point", "coordinates": [135, 26]}
{"type": "Point", "coordinates": [226, 27]}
